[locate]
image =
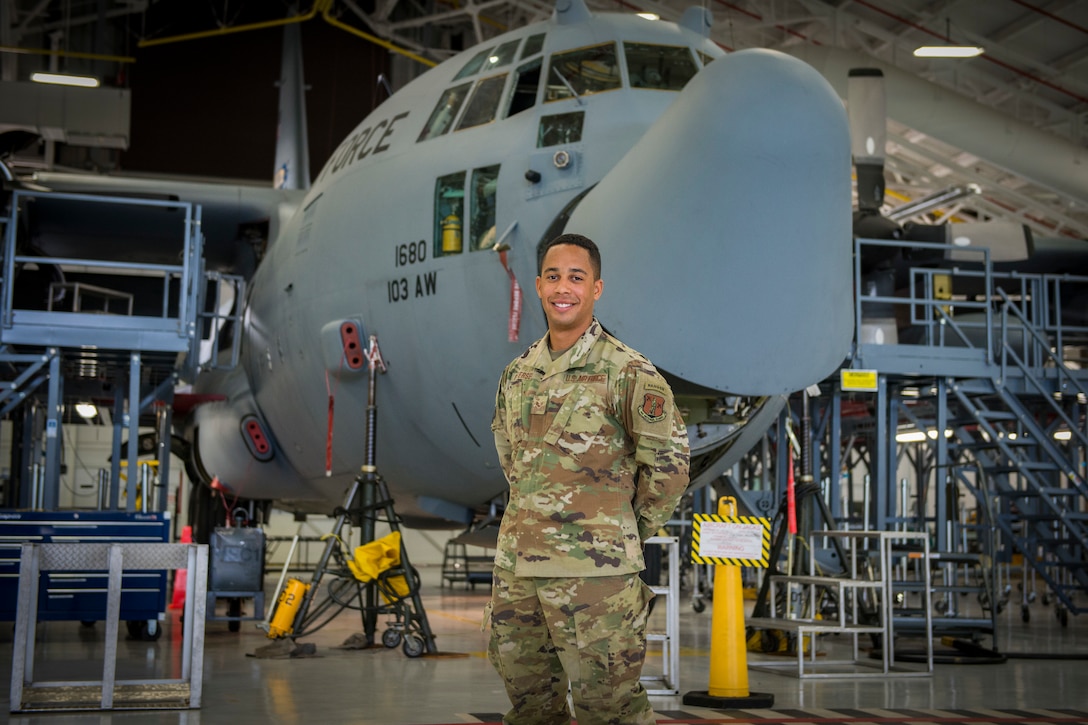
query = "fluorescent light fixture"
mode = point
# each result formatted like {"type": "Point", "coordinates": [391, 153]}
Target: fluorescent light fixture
{"type": "Point", "coordinates": [949, 51]}
{"type": "Point", "coordinates": [1062, 435]}
{"type": "Point", "coordinates": [86, 410]}
{"type": "Point", "coordinates": [649, 16]}
{"type": "Point", "coordinates": [917, 436]}
{"type": "Point", "coordinates": [65, 80]}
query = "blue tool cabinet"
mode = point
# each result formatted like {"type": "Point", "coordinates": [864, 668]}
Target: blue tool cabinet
{"type": "Point", "coordinates": [81, 596]}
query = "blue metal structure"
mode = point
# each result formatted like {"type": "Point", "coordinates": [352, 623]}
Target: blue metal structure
{"type": "Point", "coordinates": [971, 428]}
{"type": "Point", "coordinates": [137, 350]}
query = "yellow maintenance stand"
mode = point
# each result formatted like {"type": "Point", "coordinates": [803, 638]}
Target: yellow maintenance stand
{"type": "Point", "coordinates": [728, 541]}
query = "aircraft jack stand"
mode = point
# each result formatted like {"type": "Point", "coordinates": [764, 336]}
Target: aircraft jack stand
{"type": "Point", "coordinates": [410, 628]}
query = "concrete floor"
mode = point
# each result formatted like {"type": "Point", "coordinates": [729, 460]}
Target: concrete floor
{"type": "Point", "coordinates": [383, 686]}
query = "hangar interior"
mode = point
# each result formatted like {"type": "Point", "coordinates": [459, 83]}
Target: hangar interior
{"type": "Point", "coordinates": [956, 428]}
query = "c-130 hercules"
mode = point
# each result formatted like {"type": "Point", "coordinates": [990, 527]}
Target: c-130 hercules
{"type": "Point", "coordinates": [717, 186]}
{"type": "Point", "coordinates": [718, 192]}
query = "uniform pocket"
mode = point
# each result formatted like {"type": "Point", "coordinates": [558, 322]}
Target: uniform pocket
{"type": "Point", "coordinates": [578, 423]}
{"type": "Point", "coordinates": [562, 418]}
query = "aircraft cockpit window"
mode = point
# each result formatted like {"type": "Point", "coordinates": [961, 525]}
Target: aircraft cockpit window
{"type": "Point", "coordinates": [484, 103]}
{"type": "Point", "coordinates": [704, 58]}
{"type": "Point", "coordinates": [485, 181]}
{"type": "Point", "coordinates": [660, 67]}
{"type": "Point", "coordinates": [503, 55]}
{"type": "Point", "coordinates": [445, 111]}
{"type": "Point", "coordinates": [523, 90]}
{"type": "Point", "coordinates": [562, 128]}
{"type": "Point", "coordinates": [474, 65]}
{"type": "Point", "coordinates": [533, 45]}
{"type": "Point", "coordinates": [449, 210]}
{"type": "Point", "coordinates": [582, 72]}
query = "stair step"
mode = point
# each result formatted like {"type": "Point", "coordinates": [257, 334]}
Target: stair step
{"type": "Point", "coordinates": [1038, 492]}
{"type": "Point", "coordinates": [997, 415]}
{"type": "Point", "coordinates": [976, 387]}
{"type": "Point", "coordinates": [1024, 466]}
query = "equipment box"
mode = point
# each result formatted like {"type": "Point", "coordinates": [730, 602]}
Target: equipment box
{"type": "Point", "coordinates": [236, 572]}
{"type": "Point", "coordinates": [81, 596]}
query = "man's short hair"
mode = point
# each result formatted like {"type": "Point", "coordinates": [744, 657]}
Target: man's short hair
{"type": "Point", "coordinates": [578, 241]}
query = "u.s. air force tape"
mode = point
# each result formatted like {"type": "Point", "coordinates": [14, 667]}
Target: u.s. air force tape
{"type": "Point", "coordinates": [732, 540]}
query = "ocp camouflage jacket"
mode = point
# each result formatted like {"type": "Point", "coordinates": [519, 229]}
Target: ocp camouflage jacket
{"type": "Point", "coordinates": [596, 455]}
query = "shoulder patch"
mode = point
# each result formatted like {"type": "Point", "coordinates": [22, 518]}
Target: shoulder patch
{"type": "Point", "coordinates": [653, 407]}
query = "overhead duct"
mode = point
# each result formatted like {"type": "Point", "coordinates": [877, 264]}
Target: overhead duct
{"type": "Point", "coordinates": [1042, 158]}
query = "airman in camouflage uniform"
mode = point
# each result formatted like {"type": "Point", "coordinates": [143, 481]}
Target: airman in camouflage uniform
{"type": "Point", "coordinates": [596, 455]}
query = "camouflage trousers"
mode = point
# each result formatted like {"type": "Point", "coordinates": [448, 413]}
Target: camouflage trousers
{"type": "Point", "coordinates": [588, 632]}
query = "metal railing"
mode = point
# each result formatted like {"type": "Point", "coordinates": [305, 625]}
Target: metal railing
{"type": "Point", "coordinates": [172, 328]}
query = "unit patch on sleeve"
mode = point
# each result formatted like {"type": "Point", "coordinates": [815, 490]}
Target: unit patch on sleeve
{"type": "Point", "coordinates": [652, 408]}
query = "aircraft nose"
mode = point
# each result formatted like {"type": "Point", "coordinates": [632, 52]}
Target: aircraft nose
{"type": "Point", "coordinates": [731, 264]}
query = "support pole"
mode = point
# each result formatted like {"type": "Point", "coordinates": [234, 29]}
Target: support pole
{"type": "Point", "coordinates": [49, 500]}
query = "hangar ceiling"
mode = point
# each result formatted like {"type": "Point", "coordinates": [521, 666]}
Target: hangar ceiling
{"type": "Point", "coordinates": [1009, 127]}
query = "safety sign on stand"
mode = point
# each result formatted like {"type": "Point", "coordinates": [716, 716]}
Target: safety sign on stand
{"type": "Point", "coordinates": [733, 540]}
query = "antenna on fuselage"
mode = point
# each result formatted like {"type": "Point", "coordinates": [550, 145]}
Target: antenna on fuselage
{"type": "Point", "coordinates": [697, 19]}
{"type": "Point", "coordinates": [569, 12]}
{"type": "Point", "coordinates": [383, 82]}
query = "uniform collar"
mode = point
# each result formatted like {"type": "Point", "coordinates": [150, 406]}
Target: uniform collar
{"type": "Point", "coordinates": [575, 357]}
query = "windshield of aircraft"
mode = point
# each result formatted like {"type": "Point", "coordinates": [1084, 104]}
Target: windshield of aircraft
{"type": "Point", "coordinates": [582, 72]}
{"type": "Point", "coordinates": [485, 102]}
{"type": "Point", "coordinates": [571, 73]}
{"type": "Point", "coordinates": [489, 59]}
{"type": "Point", "coordinates": [445, 110]}
{"type": "Point", "coordinates": [664, 67]}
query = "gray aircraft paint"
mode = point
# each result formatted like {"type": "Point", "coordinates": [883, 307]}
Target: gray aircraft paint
{"type": "Point", "coordinates": [713, 269]}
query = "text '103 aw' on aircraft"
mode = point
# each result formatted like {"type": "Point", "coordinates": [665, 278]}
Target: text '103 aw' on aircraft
{"type": "Point", "coordinates": [717, 186]}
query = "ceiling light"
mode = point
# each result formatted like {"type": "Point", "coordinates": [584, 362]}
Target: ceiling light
{"type": "Point", "coordinates": [917, 436]}
{"type": "Point", "coordinates": [65, 80]}
{"type": "Point", "coordinates": [949, 51]}
{"type": "Point", "coordinates": [649, 16]}
{"type": "Point", "coordinates": [1062, 435]}
{"type": "Point", "coordinates": [86, 410]}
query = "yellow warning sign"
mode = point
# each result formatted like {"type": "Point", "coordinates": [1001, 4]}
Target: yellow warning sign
{"type": "Point", "coordinates": [733, 540]}
{"type": "Point", "coordinates": [863, 380]}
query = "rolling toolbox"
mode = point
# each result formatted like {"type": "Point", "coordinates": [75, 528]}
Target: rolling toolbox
{"type": "Point", "coordinates": [81, 595]}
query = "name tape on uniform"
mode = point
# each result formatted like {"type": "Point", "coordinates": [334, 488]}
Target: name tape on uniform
{"type": "Point", "coordinates": [733, 540]}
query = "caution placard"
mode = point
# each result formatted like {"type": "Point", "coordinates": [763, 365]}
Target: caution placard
{"type": "Point", "coordinates": [858, 380]}
{"type": "Point", "coordinates": [734, 540]}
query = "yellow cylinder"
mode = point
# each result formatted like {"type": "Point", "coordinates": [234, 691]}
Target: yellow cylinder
{"type": "Point", "coordinates": [283, 622]}
{"type": "Point", "coordinates": [728, 649]}
{"type": "Point", "coordinates": [451, 235]}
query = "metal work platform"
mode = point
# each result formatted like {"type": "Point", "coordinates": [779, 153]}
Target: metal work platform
{"type": "Point", "coordinates": [122, 311]}
{"type": "Point", "coordinates": [960, 413]}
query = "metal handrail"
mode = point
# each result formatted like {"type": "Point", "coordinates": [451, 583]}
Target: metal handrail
{"type": "Point", "coordinates": [190, 255]}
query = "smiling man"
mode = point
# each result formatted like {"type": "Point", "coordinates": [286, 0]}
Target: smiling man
{"type": "Point", "coordinates": [596, 456]}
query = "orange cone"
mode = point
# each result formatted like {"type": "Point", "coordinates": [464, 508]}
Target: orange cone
{"type": "Point", "coordinates": [181, 576]}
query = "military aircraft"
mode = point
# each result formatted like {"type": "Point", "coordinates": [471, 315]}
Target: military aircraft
{"type": "Point", "coordinates": [717, 187]}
